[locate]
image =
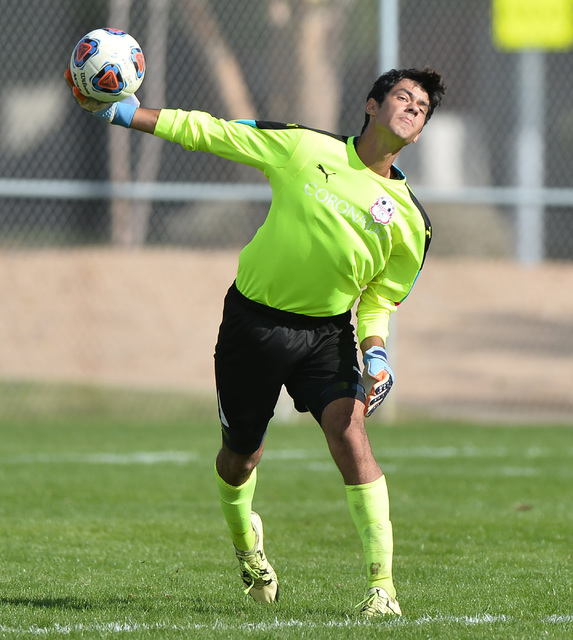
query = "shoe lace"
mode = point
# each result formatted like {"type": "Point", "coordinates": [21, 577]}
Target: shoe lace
{"type": "Point", "coordinates": [378, 602]}
{"type": "Point", "coordinates": [369, 603]}
{"type": "Point", "coordinates": [254, 570]}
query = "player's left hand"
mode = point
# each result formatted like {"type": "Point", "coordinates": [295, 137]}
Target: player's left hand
{"type": "Point", "coordinates": [120, 113]}
{"type": "Point", "coordinates": [378, 378]}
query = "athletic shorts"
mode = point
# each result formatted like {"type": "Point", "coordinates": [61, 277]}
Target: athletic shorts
{"type": "Point", "coordinates": [260, 349]}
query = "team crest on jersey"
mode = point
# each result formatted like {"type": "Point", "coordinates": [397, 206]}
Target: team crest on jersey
{"type": "Point", "coordinates": [383, 209]}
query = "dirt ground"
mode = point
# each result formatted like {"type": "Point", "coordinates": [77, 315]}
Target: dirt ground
{"type": "Point", "coordinates": [488, 339]}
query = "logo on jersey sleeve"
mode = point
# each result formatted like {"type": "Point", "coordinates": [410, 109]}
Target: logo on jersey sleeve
{"type": "Point", "coordinates": [383, 209]}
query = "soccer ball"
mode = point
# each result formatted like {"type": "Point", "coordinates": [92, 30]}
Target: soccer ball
{"type": "Point", "coordinates": [108, 65]}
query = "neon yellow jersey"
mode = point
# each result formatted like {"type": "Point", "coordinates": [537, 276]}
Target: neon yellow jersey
{"type": "Point", "coordinates": [336, 231]}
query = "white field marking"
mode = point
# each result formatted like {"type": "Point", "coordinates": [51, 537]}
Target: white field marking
{"type": "Point", "coordinates": [296, 454]}
{"type": "Point", "coordinates": [135, 627]}
{"type": "Point", "coordinates": [445, 452]}
{"type": "Point", "coordinates": [429, 452]}
{"type": "Point", "coordinates": [135, 457]}
{"type": "Point", "coordinates": [472, 452]}
{"type": "Point", "coordinates": [519, 472]}
{"type": "Point", "coordinates": [315, 455]}
{"type": "Point", "coordinates": [326, 466]}
{"type": "Point", "coordinates": [557, 619]}
{"type": "Point", "coordinates": [405, 452]}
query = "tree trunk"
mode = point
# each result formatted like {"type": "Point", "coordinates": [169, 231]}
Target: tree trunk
{"type": "Point", "coordinates": [320, 90]}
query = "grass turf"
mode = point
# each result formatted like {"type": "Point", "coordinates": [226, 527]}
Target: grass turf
{"type": "Point", "coordinates": [110, 527]}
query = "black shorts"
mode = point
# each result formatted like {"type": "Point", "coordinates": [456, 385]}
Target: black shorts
{"type": "Point", "coordinates": [260, 349]}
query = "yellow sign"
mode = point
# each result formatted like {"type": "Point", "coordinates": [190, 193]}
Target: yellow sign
{"type": "Point", "coordinates": [533, 24]}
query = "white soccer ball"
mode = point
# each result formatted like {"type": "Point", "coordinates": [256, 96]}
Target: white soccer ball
{"type": "Point", "coordinates": [108, 65]}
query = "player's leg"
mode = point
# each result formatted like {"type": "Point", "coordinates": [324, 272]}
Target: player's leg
{"type": "Point", "coordinates": [367, 495]}
{"type": "Point", "coordinates": [331, 387]}
{"type": "Point", "coordinates": [246, 404]}
{"type": "Point", "coordinates": [245, 409]}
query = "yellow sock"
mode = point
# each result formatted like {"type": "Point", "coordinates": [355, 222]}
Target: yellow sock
{"type": "Point", "coordinates": [370, 511]}
{"type": "Point", "coordinates": [236, 503]}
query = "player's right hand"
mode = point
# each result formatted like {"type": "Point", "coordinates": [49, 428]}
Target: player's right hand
{"type": "Point", "coordinates": [120, 113]}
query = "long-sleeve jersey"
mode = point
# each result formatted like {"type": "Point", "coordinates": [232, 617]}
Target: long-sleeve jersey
{"type": "Point", "coordinates": [335, 232]}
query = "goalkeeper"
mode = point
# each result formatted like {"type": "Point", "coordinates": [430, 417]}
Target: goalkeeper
{"type": "Point", "coordinates": [343, 227]}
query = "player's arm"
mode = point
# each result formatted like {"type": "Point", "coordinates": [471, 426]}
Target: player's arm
{"type": "Point", "coordinates": [373, 314]}
{"type": "Point", "coordinates": [237, 140]}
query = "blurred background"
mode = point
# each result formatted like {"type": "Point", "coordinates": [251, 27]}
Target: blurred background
{"type": "Point", "coordinates": [116, 248]}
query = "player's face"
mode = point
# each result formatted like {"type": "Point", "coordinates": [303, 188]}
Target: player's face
{"type": "Point", "coordinates": [403, 111]}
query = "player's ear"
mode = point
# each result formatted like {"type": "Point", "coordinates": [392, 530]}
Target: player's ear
{"type": "Point", "coordinates": [371, 106]}
{"type": "Point", "coordinates": [416, 138]}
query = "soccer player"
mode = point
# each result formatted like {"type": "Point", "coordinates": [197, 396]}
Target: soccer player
{"type": "Point", "coordinates": [343, 227]}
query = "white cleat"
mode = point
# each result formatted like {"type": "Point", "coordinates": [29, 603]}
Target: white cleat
{"type": "Point", "coordinates": [378, 603]}
{"type": "Point", "coordinates": [259, 577]}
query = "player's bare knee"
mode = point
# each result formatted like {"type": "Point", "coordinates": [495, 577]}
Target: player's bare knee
{"type": "Point", "coordinates": [342, 419]}
{"type": "Point", "coordinates": [236, 468]}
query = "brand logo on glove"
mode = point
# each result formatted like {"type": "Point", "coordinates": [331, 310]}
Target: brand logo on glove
{"type": "Point", "coordinates": [383, 209]}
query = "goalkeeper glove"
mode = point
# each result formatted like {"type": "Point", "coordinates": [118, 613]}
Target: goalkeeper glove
{"type": "Point", "coordinates": [381, 377]}
{"type": "Point", "coordinates": [120, 113]}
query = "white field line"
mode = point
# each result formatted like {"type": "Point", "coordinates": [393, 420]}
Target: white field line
{"type": "Point", "coordinates": [135, 457]}
{"type": "Point", "coordinates": [290, 455]}
{"type": "Point", "coordinates": [135, 627]}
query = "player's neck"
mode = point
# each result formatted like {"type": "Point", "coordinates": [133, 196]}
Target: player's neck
{"type": "Point", "coordinates": [377, 156]}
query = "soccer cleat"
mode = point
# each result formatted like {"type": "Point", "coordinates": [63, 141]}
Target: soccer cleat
{"type": "Point", "coordinates": [378, 603]}
{"type": "Point", "coordinates": [259, 577]}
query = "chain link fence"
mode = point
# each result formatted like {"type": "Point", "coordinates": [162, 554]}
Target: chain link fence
{"type": "Point", "coordinates": [116, 248]}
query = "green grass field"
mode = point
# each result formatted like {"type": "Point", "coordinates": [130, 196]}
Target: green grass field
{"type": "Point", "coordinates": [110, 527]}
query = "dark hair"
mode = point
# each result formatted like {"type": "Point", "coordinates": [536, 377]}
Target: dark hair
{"type": "Point", "coordinates": [430, 80]}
